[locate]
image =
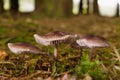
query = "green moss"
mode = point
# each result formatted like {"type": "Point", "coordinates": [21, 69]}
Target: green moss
{"type": "Point", "coordinates": [31, 66]}
{"type": "Point", "coordinates": [90, 67]}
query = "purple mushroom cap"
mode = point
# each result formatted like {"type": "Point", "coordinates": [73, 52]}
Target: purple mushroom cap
{"type": "Point", "coordinates": [51, 37]}
{"type": "Point", "coordinates": [23, 47]}
{"type": "Point", "coordinates": [91, 41]}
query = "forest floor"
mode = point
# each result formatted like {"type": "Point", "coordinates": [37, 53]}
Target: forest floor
{"type": "Point", "coordinates": [105, 66]}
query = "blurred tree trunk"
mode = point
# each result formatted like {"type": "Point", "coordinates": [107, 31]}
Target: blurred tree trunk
{"type": "Point", "coordinates": [95, 7]}
{"type": "Point", "coordinates": [54, 7]}
{"type": "Point", "coordinates": [14, 6]}
{"type": "Point", "coordinates": [1, 6]}
{"type": "Point", "coordinates": [63, 7]}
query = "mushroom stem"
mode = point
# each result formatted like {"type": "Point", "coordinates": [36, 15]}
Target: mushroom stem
{"type": "Point", "coordinates": [55, 57]}
{"type": "Point", "coordinates": [22, 58]}
{"type": "Point", "coordinates": [55, 51]}
{"type": "Point", "coordinates": [90, 54]}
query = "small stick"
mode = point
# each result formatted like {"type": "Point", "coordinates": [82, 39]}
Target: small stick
{"type": "Point", "coordinates": [6, 62]}
{"type": "Point", "coordinates": [63, 73]}
{"type": "Point", "coordinates": [117, 53]}
{"type": "Point", "coordinates": [71, 57]}
{"type": "Point", "coordinates": [4, 75]}
{"type": "Point", "coordinates": [90, 54]}
{"type": "Point", "coordinates": [35, 74]}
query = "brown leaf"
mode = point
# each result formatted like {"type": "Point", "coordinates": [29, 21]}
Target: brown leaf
{"type": "Point", "coordinates": [3, 54]}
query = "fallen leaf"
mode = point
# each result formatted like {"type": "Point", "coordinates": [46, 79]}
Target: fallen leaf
{"type": "Point", "coordinates": [3, 54]}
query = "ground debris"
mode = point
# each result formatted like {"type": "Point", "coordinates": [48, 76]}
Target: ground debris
{"type": "Point", "coordinates": [3, 54]}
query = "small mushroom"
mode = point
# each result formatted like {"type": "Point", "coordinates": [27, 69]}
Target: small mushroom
{"type": "Point", "coordinates": [91, 41]}
{"type": "Point", "coordinates": [53, 38]}
{"type": "Point", "coordinates": [23, 47]}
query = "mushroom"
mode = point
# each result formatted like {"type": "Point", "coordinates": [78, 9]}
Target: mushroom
{"type": "Point", "coordinates": [53, 38]}
{"type": "Point", "coordinates": [91, 41]}
{"type": "Point", "coordinates": [23, 47]}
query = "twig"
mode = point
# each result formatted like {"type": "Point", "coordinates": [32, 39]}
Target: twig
{"type": "Point", "coordinates": [110, 78]}
{"type": "Point", "coordinates": [35, 74]}
{"type": "Point", "coordinates": [3, 78]}
{"type": "Point", "coordinates": [105, 69]}
{"type": "Point", "coordinates": [6, 62]}
{"type": "Point", "coordinates": [5, 75]}
{"type": "Point", "coordinates": [70, 57]}
{"type": "Point", "coordinates": [117, 53]}
{"type": "Point", "coordinates": [63, 73]}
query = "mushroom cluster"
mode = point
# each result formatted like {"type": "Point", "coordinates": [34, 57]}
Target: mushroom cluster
{"type": "Point", "coordinates": [55, 38]}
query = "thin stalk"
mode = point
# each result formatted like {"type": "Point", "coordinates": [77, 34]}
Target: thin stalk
{"type": "Point", "coordinates": [55, 51]}
{"type": "Point", "coordinates": [22, 58]}
{"type": "Point", "coordinates": [54, 69]}
{"type": "Point", "coordinates": [90, 54]}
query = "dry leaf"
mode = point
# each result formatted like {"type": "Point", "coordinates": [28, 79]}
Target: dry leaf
{"type": "Point", "coordinates": [3, 54]}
